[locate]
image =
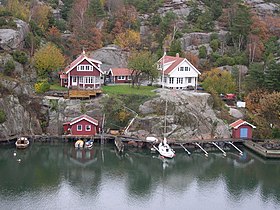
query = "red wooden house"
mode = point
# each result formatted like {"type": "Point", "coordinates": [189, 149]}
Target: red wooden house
{"type": "Point", "coordinates": [81, 126]}
{"type": "Point", "coordinates": [82, 73]}
{"type": "Point", "coordinates": [242, 129]}
{"type": "Point", "coordinates": [119, 75]}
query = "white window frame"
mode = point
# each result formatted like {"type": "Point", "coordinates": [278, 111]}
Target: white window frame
{"type": "Point", "coordinates": [171, 80]}
{"type": "Point", "coordinates": [187, 68]}
{"type": "Point", "coordinates": [179, 80]}
{"type": "Point", "coordinates": [88, 127]}
{"type": "Point", "coordinates": [181, 68]}
{"type": "Point", "coordinates": [84, 68]}
{"type": "Point", "coordinates": [189, 80]}
{"type": "Point", "coordinates": [78, 126]}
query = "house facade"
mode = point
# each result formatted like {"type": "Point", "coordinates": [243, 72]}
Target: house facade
{"type": "Point", "coordinates": [119, 75]}
{"type": "Point", "coordinates": [177, 73]}
{"type": "Point", "coordinates": [82, 73]}
{"type": "Point", "coordinates": [242, 129]}
{"type": "Point", "coordinates": [83, 125]}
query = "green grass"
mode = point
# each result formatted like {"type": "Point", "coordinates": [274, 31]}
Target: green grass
{"type": "Point", "coordinates": [128, 90]}
{"type": "Point", "coordinates": [57, 87]}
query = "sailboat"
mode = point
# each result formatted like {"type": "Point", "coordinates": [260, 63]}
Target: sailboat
{"type": "Point", "coordinates": [163, 148]}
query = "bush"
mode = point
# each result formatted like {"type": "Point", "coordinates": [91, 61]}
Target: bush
{"type": "Point", "coordinates": [215, 44]}
{"type": "Point", "coordinates": [2, 116]}
{"type": "Point", "coordinates": [9, 67]}
{"type": "Point", "coordinates": [202, 52]}
{"type": "Point", "coordinates": [42, 87]}
{"type": "Point", "coordinates": [20, 56]}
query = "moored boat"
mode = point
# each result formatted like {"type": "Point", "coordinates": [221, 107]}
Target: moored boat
{"type": "Point", "coordinates": [79, 144]}
{"type": "Point", "coordinates": [165, 150]}
{"type": "Point", "coordinates": [22, 143]}
{"type": "Point", "coordinates": [89, 144]}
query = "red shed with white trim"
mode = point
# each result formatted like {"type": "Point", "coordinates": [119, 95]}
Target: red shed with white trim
{"type": "Point", "coordinates": [81, 126]}
{"type": "Point", "coordinates": [242, 129]}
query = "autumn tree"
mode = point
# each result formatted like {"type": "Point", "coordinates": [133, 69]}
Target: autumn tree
{"type": "Point", "coordinates": [41, 14]}
{"type": "Point", "coordinates": [193, 59]}
{"type": "Point", "coordinates": [218, 80]}
{"type": "Point", "coordinates": [142, 64]}
{"type": "Point", "coordinates": [130, 39]}
{"type": "Point", "coordinates": [264, 110]}
{"type": "Point", "coordinates": [47, 59]}
{"type": "Point", "coordinates": [19, 9]}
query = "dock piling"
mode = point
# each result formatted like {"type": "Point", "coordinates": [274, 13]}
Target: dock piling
{"type": "Point", "coordinates": [240, 152]}
{"type": "Point", "coordinates": [185, 149]}
{"type": "Point", "coordinates": [216, 145]}
{"type": "Point", "coordinates": [206, 153]}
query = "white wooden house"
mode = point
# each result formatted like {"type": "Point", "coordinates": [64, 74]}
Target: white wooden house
{"type": "Point", "coordinates": [177, 73]}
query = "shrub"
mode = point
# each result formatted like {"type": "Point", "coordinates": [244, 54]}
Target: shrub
{"type": "Point", "coordinates": [215, 44]}
{"type": "Point", "coordinates": [20, 56]}
{"type": "Point", "coordinates": [9, 67]}
{"type": "Point", "coordinates": [42, 87]}
{"type": "Point", "coordinates": [2, 116]}
{"type": "Point", "coordinates": [202, 52]}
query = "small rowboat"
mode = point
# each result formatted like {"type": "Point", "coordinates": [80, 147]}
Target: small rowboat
{"type": "Point", "coordinates": [22, 143]}
{"type": "Point", "coordinates": [79, 144]}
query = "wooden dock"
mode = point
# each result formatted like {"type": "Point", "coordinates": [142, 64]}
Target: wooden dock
{"type": "Point", "coordinates": [256, 147]}
{"type": "Point", "coordinates": [82, 94]}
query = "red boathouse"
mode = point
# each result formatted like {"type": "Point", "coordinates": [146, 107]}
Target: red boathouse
{"type": "Point", "coordinates": [242, 129]}
{"type": "Point", "coordinates": [81, 126]}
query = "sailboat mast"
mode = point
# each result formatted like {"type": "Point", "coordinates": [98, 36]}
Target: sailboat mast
{"type": "Point", "coordinates": [165, 113]}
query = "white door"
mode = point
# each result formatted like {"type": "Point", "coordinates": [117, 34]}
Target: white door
{"type": "Point", "coordinates": [74, 81]}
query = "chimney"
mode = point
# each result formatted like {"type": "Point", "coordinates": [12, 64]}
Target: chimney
{"type": "Point", "coordinates": [177, 55]}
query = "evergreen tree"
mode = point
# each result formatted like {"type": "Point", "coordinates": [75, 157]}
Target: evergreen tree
{"type": "Point", "coordinates": [255, 78]}
{"type": "Point", "coordinates": [272, 76]}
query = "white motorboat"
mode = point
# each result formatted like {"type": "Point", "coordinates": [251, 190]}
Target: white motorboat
{"type": "Point", "coordinates": [22, 143]}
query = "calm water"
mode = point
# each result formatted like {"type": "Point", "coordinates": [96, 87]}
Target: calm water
{"type": "Point", "coordinates": [59, 177]}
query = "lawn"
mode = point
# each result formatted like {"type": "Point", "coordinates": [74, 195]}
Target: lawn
{"type": "Point", "coordinates": [128, 90]}
{"type": "Point", "coordinates": [57, 87]}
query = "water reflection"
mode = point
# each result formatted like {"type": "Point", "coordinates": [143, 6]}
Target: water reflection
{"type": "Point", "coordinates": [58, 175]}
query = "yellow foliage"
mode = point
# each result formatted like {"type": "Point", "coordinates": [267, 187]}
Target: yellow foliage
{"type": "Point", "coordinates": [129, 39]}
{"type": "Point", "coordinates": [41, 15]}
{"type": "Point", "coordinates": [123, 116]}
{"type": "Point", "coordinates": [48, 58]}
{"type": "Point", "coordinates": [18, 9]}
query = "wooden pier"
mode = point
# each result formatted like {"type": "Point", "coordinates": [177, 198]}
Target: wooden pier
{"type": "Point", "coordinates": [189, 146]}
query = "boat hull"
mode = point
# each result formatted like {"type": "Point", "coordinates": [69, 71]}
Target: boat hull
{"type": "Point", "coordinates": [22, 143]}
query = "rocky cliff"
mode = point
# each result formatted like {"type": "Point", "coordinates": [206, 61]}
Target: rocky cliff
{"type": "Point", "coordinates": [189, 115]}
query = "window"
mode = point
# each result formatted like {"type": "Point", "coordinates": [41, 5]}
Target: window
{"type": "Point", "coordinates": [181, 68]}
{"type": "Point", "coordinates": [165, 79]}
{"type": "Point", "coordinates": [171, 80]}
{"type": "Point", "coordinates": [187, 69]}
{"type": "Point", "coordinates": [84, 68]}
{"type": "Point", "coordinates": [121, 77]}
{"type": "Point", "coordinates": [189, 80]}
{"type": "Point", "coordinates": [74, 79]}
{"type": "Point", "coordinates": [81, 80]}
{"type": "Point", "coordinates": [65, 80]}
{"type": "Point", "coordinates": [88, 127]}
{"type": "Point", "coordinates": [179, 80]}
{"type": "Point", "coordinates": [129, 78]}
{"type": "Point", "coordinates": [79, 127]}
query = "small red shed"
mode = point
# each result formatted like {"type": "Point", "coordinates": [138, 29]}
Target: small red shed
{"type": "Point", "coordinates": [81, 126]}
{"type": "Point", "coordinates": [242, 129]}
